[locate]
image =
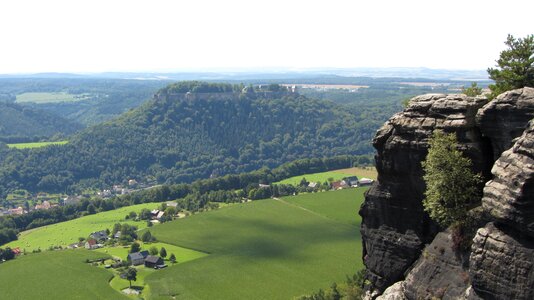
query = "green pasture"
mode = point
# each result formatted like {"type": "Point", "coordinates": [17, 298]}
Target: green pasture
{"type": "Point", "coordinates": [35, 145]}
{"type": "Point", "coordinates": [265, 249]}
{"type": "Point", "coordinates": [182, 255]}
{"type": "Point", "coordinates": [65, 233]}
{"type": "Point", "coordinates": [50, 97]}
{"type": "Point", "coordinates": [334, 175]}
{"type": "Point", "coordinates": [56, 275]}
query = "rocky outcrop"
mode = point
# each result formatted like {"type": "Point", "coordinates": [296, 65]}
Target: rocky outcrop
{"type": "Point", "coordinates": [509, 197]}
{"type": "Point", "coordinates": [502, 264]}
{"type": "Point", "coordinates": [502, 257]}
{"type": "Point", "coordinates": [395, 228]}
{"type": "Point", "coordinates": [504, 119]}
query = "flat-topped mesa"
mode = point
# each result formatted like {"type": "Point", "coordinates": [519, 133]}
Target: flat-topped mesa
{"type": "Point", "coordinates": [395, 228]}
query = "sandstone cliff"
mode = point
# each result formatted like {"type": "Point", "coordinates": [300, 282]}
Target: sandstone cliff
{"type": "Point", "coordinates": [406, 250]}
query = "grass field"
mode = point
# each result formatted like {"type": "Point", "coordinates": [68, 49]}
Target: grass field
{"type": "Point", "coordinates": [335, 175]}
{"type": "Point", "coordinates": [65, 233]}
{"type": "Point", "coordinates": [35, 145]}
{"type": "Point", "coordinates": [182, 255]}
{"type": "Point", "coordinates": [266, 249]}
{"type": "Point", "coordinates": [56, 275]}
{"type": "Point", "coordinates": [50, 97]}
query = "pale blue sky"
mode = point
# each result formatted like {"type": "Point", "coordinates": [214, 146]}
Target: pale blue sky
{"type": "Point", "coordinates": [156, 35]}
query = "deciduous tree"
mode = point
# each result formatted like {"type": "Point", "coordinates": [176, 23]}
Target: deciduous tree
{"type": "Point", "coordinates": [451, 186]}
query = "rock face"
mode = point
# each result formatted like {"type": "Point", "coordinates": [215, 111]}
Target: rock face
{"type": "Point", "coordinates": [504, 118]}
{"type": "Point", "coordinates": [502, 257]}
{"type": "Point", "coordinates": [395, 228]}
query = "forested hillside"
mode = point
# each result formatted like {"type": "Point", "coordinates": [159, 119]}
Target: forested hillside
{"type": "Point", "coordinates": [93, 99]}
{"type": "Point", "coordinates": [179, 137]}
{"type": "Point", "coordinates": [18, 123]}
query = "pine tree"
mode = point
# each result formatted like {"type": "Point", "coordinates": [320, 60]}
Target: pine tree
{"type": "Point", "coordinates": [515, 66]}
{"type": "Point", "coordinates": [163, 252]}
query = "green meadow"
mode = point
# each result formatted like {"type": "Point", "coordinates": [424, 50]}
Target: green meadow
{"type": "Point", "coordinates": [65, 233]}
{"type": "Point", "coordinates": [35, 145]}
{"type": "Point", "coordinates": [333, 175]}
{"type": "Point", "coordinates": [182, 255]}
{"type": "Point", "coordinates": [50, 97]}
{"type": "Point", "coordinates": [56, 275]}
{"type": "Point", "coordinates": [265, 249]}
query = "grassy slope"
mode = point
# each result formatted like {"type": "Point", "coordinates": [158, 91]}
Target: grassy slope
{"type": "Point", "coordinates": [68, 232]}
{"type": "Point", "coordinates": [56, 275]}
{"type": "Point", "coordinates": [35, 145]}
{"type": "Point", "coordinates": [49, 97]}
{"type": "Point", "coordinates": [265, 249]}
{"type": "Point", "coordinates": [336, 175]}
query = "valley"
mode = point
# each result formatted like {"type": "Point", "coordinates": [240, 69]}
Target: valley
{"type": "Point", "coordinates": [274, 248]}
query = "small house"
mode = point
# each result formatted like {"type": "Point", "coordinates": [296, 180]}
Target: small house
{"type": "Point", "coordinates": [91, 244]}
{"type": "Point", "coordinates": [351, 181]}
{"type": "Point", "coordinates": [153, 261]}
{"type": "Point", "coordinates": [99, 235]}
{"type": "Point", "coordinates": [137, 258]}
{"type": "Point", "coordinates": [338, 185]}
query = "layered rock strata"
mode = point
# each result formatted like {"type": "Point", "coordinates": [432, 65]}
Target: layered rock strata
{"type": "Point", "coordinates": [395, 229]}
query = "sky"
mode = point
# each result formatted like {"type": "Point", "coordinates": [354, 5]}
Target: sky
{"type": "Point", "coordinates": [201, 35]}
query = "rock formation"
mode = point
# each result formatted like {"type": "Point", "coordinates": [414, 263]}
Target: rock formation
{"type": "Point", "coordinates": [395, 228]}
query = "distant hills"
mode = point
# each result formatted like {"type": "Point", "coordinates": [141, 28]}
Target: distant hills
{"type": "Point", "coordinates": [193, 130]}
{"type": "Point", "coordinates": [275, 73]}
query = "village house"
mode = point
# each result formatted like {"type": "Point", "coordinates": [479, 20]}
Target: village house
{"type": "Point", "coordinates": [351, 181]}
{"type": "Point", "coordinates": [137, 258]}
{"type": "Point", "coordinates": [92, 244]}
{"type": "Point", "coordinates": [16, 211]}
{"type": "Point", "coordinates": [338, 185]}
{"type": "Point", "coordinates": [44, 205]}
{"type": "Point", "coordinates": [100, 236]}
{"type": "Point", "coordinates": [16, 251]}
{"type": "Point", "coordinates": [153, 261]}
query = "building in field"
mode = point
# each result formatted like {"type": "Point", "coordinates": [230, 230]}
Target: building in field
{"type": "Point", "coordinates": [153, 261]}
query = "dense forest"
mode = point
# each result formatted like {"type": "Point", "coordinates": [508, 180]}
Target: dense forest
{"type": "Point", "coordinates": [180, 136]}
{"type": "Point", "coordinates": [21, 123]}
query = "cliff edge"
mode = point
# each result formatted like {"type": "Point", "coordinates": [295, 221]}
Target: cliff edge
{"type": "Point", "coordinates": [407, 255]}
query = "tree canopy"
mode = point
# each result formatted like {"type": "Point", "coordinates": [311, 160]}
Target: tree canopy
{"type": "Point", "coordinates": [515, 66]}
{"type": "Point", "coordinates": [451, 186]}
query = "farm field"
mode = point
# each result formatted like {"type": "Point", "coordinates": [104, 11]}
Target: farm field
{"type": "Point", "coordinates": [335, 175]}
{"type": "Point", "coordinates": [35, 145]}
{"type": "Point", "coordinates": [50, 97]}
{"type": "Point", "coordinates": [182, 255]}
{"type": "Point", "coordinates": [265, 249]}
{"type": "Point", "coordinates": [56, 275]}
{"type": "Point", "coordinates": [65, 233]}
